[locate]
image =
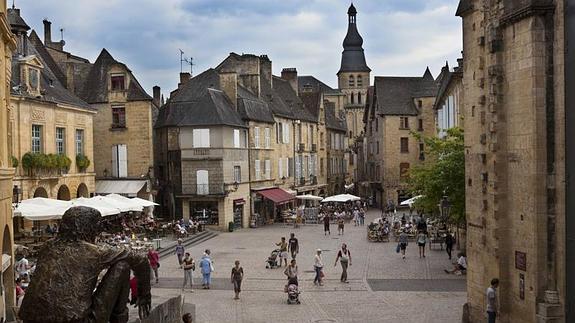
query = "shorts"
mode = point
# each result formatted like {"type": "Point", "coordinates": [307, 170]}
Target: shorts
{"type": "Point", "coordinates": [421, 244]}
{"type": "Point", "coordinates": [403, 246]}
{"type": "Point", "coordinates": [340, 226]}
{"type": "Point", "coordinates": [283, 254]}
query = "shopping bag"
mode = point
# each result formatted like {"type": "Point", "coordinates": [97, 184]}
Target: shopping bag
{"type": "Point", "coordinates": [398, 248]}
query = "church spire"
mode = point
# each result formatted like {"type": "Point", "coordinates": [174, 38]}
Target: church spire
{"type": "Point", "coordinates": [353, 58]}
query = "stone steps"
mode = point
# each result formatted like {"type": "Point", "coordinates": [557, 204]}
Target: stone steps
{"type": "Point", "coordinates": [189, 242]}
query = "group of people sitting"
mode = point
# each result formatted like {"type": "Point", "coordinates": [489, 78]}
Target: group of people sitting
{"type": "Point", "coordinates": [184, 228]}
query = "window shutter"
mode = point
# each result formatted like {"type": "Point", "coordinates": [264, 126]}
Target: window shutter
{"type": "Point", "coordinates": [297, 167]}
{"type": "Point", "coordinates": [268, 169]}
{"type": "Point", "coordinates": [267, 137]}
{"type": "Point", "coordinates": [202, 182]}
{"type": "Point", "coordinates": [257, 169]}
{"type": "Point", "coordinates": [122, 161]}
{"type": "Point", "coordinates": [280, 168]}
{"type": "Point", "coordinates": [257, 137]}
{"type": "Point", "coordinates": [236, 138]}
{"type": "Point", "coordinates": [115, 161]}
{"type": "Point", "coordinates": [290, 167]}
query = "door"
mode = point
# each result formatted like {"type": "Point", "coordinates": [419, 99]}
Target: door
{"type": "Point", "coordinates": [238, 216]}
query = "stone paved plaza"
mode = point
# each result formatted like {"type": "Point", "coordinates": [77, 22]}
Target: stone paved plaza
{"type": "Point", "coordinates": [382, 288]}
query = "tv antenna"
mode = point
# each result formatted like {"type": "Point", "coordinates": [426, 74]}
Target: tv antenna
{"type": "Point", "coordinates": [188, 61]}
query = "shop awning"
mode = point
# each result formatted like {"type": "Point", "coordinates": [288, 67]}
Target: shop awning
{"type": "Point", "coordinates": [124, 187]}
{"type": "Point", "coordinates": [277, 195]}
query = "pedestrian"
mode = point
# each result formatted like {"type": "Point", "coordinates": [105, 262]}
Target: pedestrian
{"type": "Point", "coordinates": [460, 267]}
{"type": "Point", "coordinates": [19, 292]}
{"type": "Point", "coordinates": [293, 245]}
{"type": "Point", "coordinates": [356, 217]}
{"type": "Point", "coordinates": [134, 291]}
{"type": "Point", "coordinates": [326, 225]}
{"type": "Point", "coordinates": [22, 266]}
{"type": "Point", "coordinates": [154, 259]}
{"type": "Point", "coordinates": [180, 250]}
{"type": "Point", "coordinates": [492, 300]}
{"type": "Point", "coordinates": [189, 266]}
{"type": "Point", "coordinates": [291, 273]}
{"type": "Point", "coordinates": [237, 276]}
{"type": "Point", "coordinates": [344, 256]}
{"type": "Point", "coordinates": [421, 240]}
{"type": "Point", "coordinates": [318, 266]}
{"type": "Point", "coordinates": [449, 241]}
{"type": "Point", "coordinates": [207, 267]}
{"type": "Point", "coordinates": [283, 246]}
{"type": "Point", "coordinates": [403, 242]}
{"type": "Point", "coordinates": [187, 318]}
{"type": "Point", "coordinates": [340, 224]}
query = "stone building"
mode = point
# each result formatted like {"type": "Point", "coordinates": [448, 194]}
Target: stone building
{"type": "Point", "coordinates": [396, 107]}
{"type": "Point", "coordinates": [123, 123]}
{"type": "Point", "coordinates": [51, 128]}
{"type": "Point", "coordinates": [7, 47]}
{"type": "Point", "coordinates": [449, 101]}
{"type": "Point", "coordinates": [514, 109]}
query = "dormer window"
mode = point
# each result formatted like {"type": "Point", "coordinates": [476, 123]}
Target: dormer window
{"type": "Point", "coordinates": [117, 82]}
{"type": "Point", "coordinates": [33, 80]}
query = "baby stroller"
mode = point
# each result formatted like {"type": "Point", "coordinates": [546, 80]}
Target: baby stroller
{"type": "Point", "coordinates": [272, 261]}
{"type": "Point", "coordinates": [293, 292]}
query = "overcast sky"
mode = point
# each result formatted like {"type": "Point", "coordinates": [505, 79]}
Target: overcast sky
{"type": "Point", "coordinates": [401, 37]}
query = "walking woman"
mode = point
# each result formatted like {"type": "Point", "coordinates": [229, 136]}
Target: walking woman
{"type": "Point", "coordinates": [344, 256]}
{"type": "Point", "coordinates": [237, 276]}
{"type": "Point", "coordinates": [421, 240]}
{"type": "Point", "coordinates": [318, 266]}
{"type": "Point", "coordinates": [403, 242]}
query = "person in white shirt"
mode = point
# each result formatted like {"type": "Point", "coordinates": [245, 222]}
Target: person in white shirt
{"type": "Point", "coordinates": [491, 295]}
{"type": "Point", "coordinates": [460, 266]}
{"type": "Point", "coordinates": [318, 266]}
{"type": "Point", "coordinates": [22, 266]}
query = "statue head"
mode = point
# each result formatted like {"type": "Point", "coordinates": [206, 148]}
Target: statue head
{"type": "Point", "coordinates": [80, 223]}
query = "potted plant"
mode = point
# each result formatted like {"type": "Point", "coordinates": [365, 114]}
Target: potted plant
{"type": "Point", "coordinates": [82, 162]}
{"type": "Point", "coordinates": [14, 162]}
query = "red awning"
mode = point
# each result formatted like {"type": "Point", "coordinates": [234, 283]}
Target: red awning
{"type": "Point", "coordinates": [277, 195]}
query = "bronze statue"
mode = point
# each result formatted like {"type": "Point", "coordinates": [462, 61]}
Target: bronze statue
{"type": "Point", "coordinates": [63, 288]}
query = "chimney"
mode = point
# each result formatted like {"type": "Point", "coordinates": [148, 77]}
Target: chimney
{"type": "Point", "coordinates": [229, 85]}
{"type": "Point", "coordinates": [184, 77]}
{"type": "Point", "coordinates": [290, 74]}
{"type": "Point", "coordinates": [266, 69]}
{"type": "Point", "coordinates": [157, 93]}
{"type": "Point", "coordinates": [47, 32]}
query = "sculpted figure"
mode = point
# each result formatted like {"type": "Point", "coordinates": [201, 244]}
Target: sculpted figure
{"type": "Point", "coordinates": [65, 286]}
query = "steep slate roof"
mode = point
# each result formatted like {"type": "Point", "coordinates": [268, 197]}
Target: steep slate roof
{"type": "Point", "coordinates": [352, 57]}
{"type": "Point", "coordinates": [95, 88]}
{"type": "Point", "coordinates": [199, 103]}
{"type": "Point", "coordinates": [46, 57]}
{"type": "Point", "coordinates": [394, 95]}
{"type": "Point", "coordinates": [315, 84]}
{"type": "Point", "coordinates": [446, 79]}
{"type": "Point", "coordinates": [311, 102]}
{"type": "Point", "coordinates": [463, 7]}
{"type": "Point", "coordinates": [331, 120]}
{"type": "Point", "coordinates": [290, 100]}
{"type": "Point", "coordinates": [368, 111]}
{"type": "Point", "coordinates": [15, 20]}
{"type": "Point", "coordinates": [250, 107]}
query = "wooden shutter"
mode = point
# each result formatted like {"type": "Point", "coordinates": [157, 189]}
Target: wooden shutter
{"type": "Point", "coordinates": [280, 168]}
{"type": "Point", "coordinates": [257, 169]}
{"type": "Point", "coordinates": [236, 138]}
{"type": "Point", "coordinates": [122, 160]}
{"type": "Point", "coordinates": [268, 169]}
{"type": "Point", "coordinates": [115, 161]}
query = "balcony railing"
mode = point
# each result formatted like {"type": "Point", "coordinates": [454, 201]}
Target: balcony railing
{"type": "Point", "coordinates": [203, 189]}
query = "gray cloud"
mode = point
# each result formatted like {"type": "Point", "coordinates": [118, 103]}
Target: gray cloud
{"type": "Point", "coordinates": [401, 37]}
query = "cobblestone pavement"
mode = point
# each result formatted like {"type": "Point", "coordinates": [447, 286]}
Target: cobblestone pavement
{"type": "Point", "coordinates": [382, 288]}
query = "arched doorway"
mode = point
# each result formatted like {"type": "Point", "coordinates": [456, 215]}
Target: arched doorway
{"type": "Point", "coordinates": [8, 274]}
{"type": "Point", "coordinates": [82, 191]}
{"type": "Point", "coordinates": [40, 192]}
{"type": "Point", "coordinates": [64, 193]}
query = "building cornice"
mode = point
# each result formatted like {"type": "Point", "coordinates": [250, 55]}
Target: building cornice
{"type": "Point", "coordinates": [9, 38]}
{"type": "Point", "coordinates": [526, 12]}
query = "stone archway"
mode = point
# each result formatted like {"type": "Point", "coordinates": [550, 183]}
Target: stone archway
{"type": "Point", "coordinates": [40, 192]}
{"type": "Point", "coordinates": [63, 193]}
{"type": "Point", "coordinates": [82, 191]}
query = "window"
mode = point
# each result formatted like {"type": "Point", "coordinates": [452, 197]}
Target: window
{"type": "Point", "coordinates": [36, 138]}
{"type": "Point", "coordinates": [359, 81]}
{"type": "Point", "coordinates": [297, 167]}
{"type": "Point", "coordinates": [202, 182]}
{"type": "Point", "coordinates": [419, 103]}
{"type": "Point", "coordinates": [79, 142]}
{"type": "Point", "coordinates": [376, 124]}
{"type": "Point", "coordinates": [321, 141]}
{"type": "Point", "coordinates": [118, 117]}
{"type": "Point", "coordinates": [359, 97]}
{"type": "Point", "coordinates": [268, 169]}
{"type": "Point", "coordinates": [403, 171]}
{"type": "Point", "coordinates": [267, 138]}
{"type": "Point", "coordinates": [403, 123]}
{"type": "Point", "coordinates": [420, 124]}
{"type": "Point", "coordinates": [310, 135]}
{"type": "Point", "coordinates": [290, 167]}
{"type": "Point", "coordinates": [257, 169]}
{"type": "Point", "coordinates": [421, 151]}
{"type": "Point", "coordinates": [321, 166]}
{"type": "Point", "coordinates": [280, 168]}
{"type": "Point", "coordinates": [201, 138]}
{"type": "Point", "coordinates": [237, 174]}
{"type": "Point", "coordinates": [117, 82]}
{"type": "Point", "coordinates": [404, 144]}
{"type": "Point", "coordinates": [279, 133]}
{"type": "Point", "coordinates": [257, 137]}
{"type": "Point", "coordinates": [33, 79]}
{"type": "Point", "coordinates": [119, 160]}
{"type": "Point", "coordinates": [352, 98]}
{"type": "Point", "coordinates": [237, 138]}
{"type": "Point", "coordinates": [286, 133]}
{"type": "Point", "coordinates": [60, 141]}
{"type": "Point", "coordinates": [351, 81]}
{"type": "Point", "coordinates": [377, 148]}
{"type": "Point", "coordinates": [304, 166]}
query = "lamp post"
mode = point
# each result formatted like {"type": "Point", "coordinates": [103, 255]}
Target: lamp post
{"type": "Point", "coordinates": [16, 195]}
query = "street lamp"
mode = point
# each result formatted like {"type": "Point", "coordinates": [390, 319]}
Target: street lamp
{"type": "Point", "coordinates": [16, 195]}
{"type": "Point", "coordinates": [444, 208]}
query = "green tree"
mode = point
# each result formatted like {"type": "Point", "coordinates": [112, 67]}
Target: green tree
{"type": "Point", "coordinates": [443, 173]}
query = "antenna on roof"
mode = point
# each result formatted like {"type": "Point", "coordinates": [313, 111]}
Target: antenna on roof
{"type": "Point", "coordinates": [183, 60]}
{"type": "Point", "coordinates": [13, 4]}
{"type": "Point", "coordinates": [61, 33]}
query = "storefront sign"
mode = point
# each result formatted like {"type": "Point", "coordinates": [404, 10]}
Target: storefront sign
{"type": "Point", "coordinates": [521, 286]}
{"type": "Point", "coordinates": [521, 260]}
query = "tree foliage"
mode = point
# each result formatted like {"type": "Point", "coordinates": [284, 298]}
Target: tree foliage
{"type": "Point", "coordinates": [443, 173]}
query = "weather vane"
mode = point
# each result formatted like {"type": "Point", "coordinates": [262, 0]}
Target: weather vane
{"type": "Point", "coordinates": [183, 60]}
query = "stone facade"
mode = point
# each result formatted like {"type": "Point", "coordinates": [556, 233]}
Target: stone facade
{"type": "Point", "coordinates": [514, 134]}
{"type": "Point", "coordinates": [7, 46]}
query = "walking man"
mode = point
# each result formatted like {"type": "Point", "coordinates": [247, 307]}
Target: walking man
{"type": "Point", "coordinates": [421, 240]}
{"type": "Point", "coordinates": [180, 250]}
{"type": "Point", "coordinates": [237, 276]}
{"type": "Point", "coordinates": [154, 259]}
{"type": "Point", "coordinates": [283, 250]}
{"type": "Point", "coordinates": [403, 241]}
{"type": "Point", "coordinates": [189, 266]}
{"type": "Point", "coordinates": [449, 240]}
{"type": "Point", "coordinates": [318, 266]}
{"type": "Point", "coordinates": [492, 300]}
{"type": "Point", "coordinates": [207, 267]}
{"type": "Point", "coordinates": [344, 256]}
{"type": "Point", "coordinates": [340, 224]}
{"type": "Point", "coordinates": [293, 246]}
{"type": "Point", "coordinates": [326, 225]}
